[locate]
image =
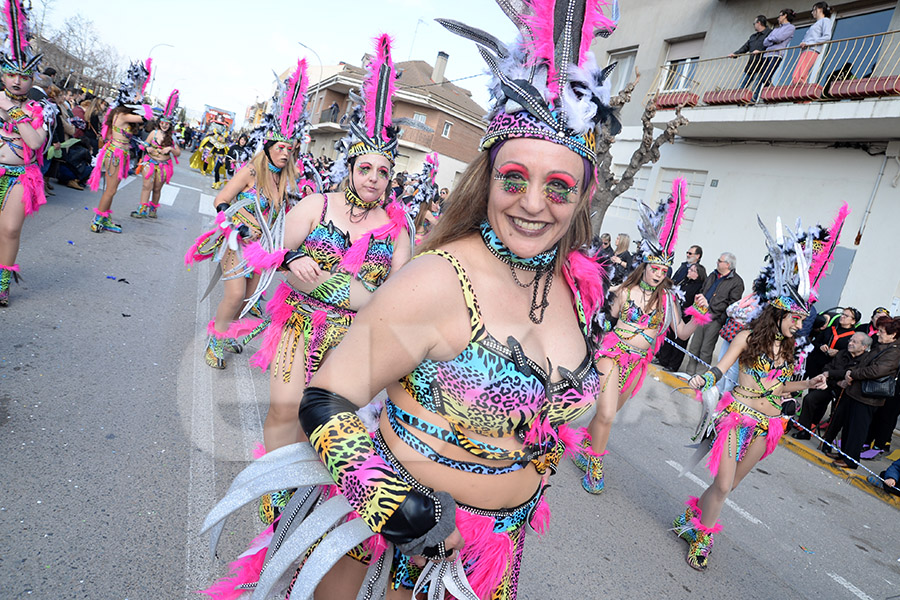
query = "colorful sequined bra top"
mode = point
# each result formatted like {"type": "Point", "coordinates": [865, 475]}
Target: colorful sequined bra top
{"type": "Point", "coordinates": [633, 314]}
{"type": "Point", "coordinates": [327, 244]}
{"type": "Point", "coordinates": [494, 390]}
{"type": "Point", "coordinates": [764, 371]}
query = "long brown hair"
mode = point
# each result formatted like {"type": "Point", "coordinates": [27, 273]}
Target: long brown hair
{"type": "Point", "coordinates": [635, 278]}
{"type": "Point", "coordinates": [265, 183]}
{"type": "Point", "coordinates": [466, 209]}
{"type": "Point", "coordinates": [167, 135]}
{"type": "Point", "coordinates": [111, 118]}
{"type": "Point", "coordinates": [764, 330]}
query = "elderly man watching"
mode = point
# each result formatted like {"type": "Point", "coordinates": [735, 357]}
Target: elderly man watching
{"type": "Point", "coordinates": [722, 287]}
{"type": "Point", "coordinates": [816, 401]}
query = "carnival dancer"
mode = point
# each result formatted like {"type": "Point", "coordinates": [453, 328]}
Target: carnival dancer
{"type": "Point", "coordinates": [202, 158]}
{"type": "Point", "coordinates": [156, 167]}
{"type": "Point", "coordinates": [248, 240]}
{"type": "Point", "coordinates": [22, 137]}
{"type": "Point", "coordinates": [425, 209]}
{"type": "Point", "coordinates": [489, 333]}
{"type": "Point", "coordinates": [219, 158]}
{"type": "Point", "coordinates": [745, 426]}
{"type": "Point", "coordinates": [113, 162]}
{"type": "Point", "coordinates": [237, 156]}
{"type": "Point", "coordinates": [644, 307]}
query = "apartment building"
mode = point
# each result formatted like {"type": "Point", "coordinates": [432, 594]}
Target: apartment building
{"type": "Point", "coordinates": [795, 148]}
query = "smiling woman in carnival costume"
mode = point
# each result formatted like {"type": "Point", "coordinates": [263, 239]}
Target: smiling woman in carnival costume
{"type": "Point", "coordinates": [480, 391]}
{"type": "Point", "coordinates": [21, 141]}
{"type": "Point", "coordinates": [745, 426]}
{"type": "Point", "coordinates": [156, 166]}
{"type": "Point", "coordinates": [248, 240]}
{"type": "Point", "coordinates": [113, 161]}
{"type": "Point", "coordinates": [643, 307]}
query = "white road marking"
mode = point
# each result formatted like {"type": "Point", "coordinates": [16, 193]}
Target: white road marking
{"type": "Point", "coordinates": [167, 195]}
{"type": "Point", "coordinates": [704, 485]}
{"type": "Point", "coordinates": [206, 205]}
{"type": "Point", "coordinates": [852, 588]}
{"type": "Point", "coordinates": [128, 180]}
{"type": "Point", "coordinates": [187, 187]}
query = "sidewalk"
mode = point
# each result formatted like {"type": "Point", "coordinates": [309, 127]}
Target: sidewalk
{"type": "Point", "coordinates": [808, 450]}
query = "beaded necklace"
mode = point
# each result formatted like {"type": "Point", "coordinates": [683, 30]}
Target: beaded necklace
{"type": "Point", "coordinates": [354, 202]}
{"type": "Point", "coordinates": [541, 264]}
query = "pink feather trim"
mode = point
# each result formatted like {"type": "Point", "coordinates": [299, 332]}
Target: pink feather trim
{"type": "Point", "coordinates": [540, 521]}
{"type": "Point", "coordinates": [668, 233]}
{"type": "Point", "coordinates": [486, 554]}
{"type": "Point", "coordinates": [33, 189]}
{"type": "Point", "coordinates": [236, 329]}
{"type": "Point", "coordinates": [10, 268]}
{"type": "Point", "coordinates": [586, 276]}
{"type": "Point", "coordinates": [292, 104]}
{"type": "Point", "coordinates": [541, 433]}
{"type": "Point", "coordinates": [148, 112]}
{"type": "Point", "coordinates": [261, 260]}
{"type": "Point", "coordinates": [773, 436]}
{"type": "Point", "coordinates": [246, 569]}
{"type": "Point", "coordinates": [101, 213]}
{"type": "Point", "coordinates": [259, 450]}
{"type": "Point", "coordinates": [147, 65]}
{"type": "Point", "coordinates": [356, 254]}
{"type": "Point", "coordinates": [193, 255]}
{"type": "Point", "coordinates": [594, 20]}
{"type": "Point", "coordinates": [383, 46]}
{"type": "Point", "coordinates": [279, 312]}
{"type": "Point", "coordinates": [699, 317]}
{"type": "Point", "coordinates": [543, 48]}
{"type": "Point", "coordinates": [822, 259]}
{"type": "Point", "coordinates": [695, 522]}
{"type": "Point", "coordinates": [572, 439]}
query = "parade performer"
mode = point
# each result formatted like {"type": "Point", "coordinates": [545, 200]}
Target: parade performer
{"type": "Point", "coordinates": [22, 137]}
{"type": "Point", "coordinates": [424, 208]}
{"type": "Point", "coordinates": [202, 158]}
{"type": "Point", "coordinates": [219, 159]}
{"type": "Point", "coordinates": [745, 426]}
{"type": "Point", "coordinates": [643, 307]}
{"type": "Point", "coordinates": [237, 156]}
{"type": "Point", "coordinates": [248, 239]}
{"type": "Point", "coordinates": [489, 332]}
{"type": "Point", "coordinates": [113, 162]}
{"type": "Point", "coordinates": [156, 166]}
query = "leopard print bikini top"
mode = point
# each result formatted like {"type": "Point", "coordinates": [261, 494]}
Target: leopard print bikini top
{"type": "Point", "coordinates": [495, 390]}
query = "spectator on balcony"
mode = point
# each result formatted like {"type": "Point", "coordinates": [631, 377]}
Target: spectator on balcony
{"type": "Point", "coordinates": [335, 109]}
{"type": "Point", "coordinates": [721, 288]}
{"type": "Point", "coordinates": [819, 32]}
{"type": "Point", "coordinates": [621, 260]}
{"type": "Point", "coordinates": [775, 43]}
{"type": "Point", "coordinates": [753, 46]}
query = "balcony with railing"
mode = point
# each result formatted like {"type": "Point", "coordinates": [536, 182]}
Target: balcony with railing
{"type": "Point", "coordinates": [851, 89]}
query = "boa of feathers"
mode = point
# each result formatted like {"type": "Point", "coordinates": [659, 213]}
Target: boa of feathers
{"type": "Point", "coordinates": [677, 203]}
{"type": "Point", "coordinates": [822, 259]}
{"type": "Point", "coordinates": [356, 254]}
{"type": "Point", "coordinates": [370, 88]}
{"type": "Point", "coordinates": [294, 100]}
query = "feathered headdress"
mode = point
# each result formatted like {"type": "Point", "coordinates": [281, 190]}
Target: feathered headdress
{"type": "Point", "coordinates": [547, 85]}
{"type": "Point", "coordinates": [659, 229]}
{"type": "Point", "coordinates": [288, 119]}
{"type": "Point", "coordinates": [169, 110]}
{"type": "Point", "coordinates": [133, 85]}
{"type": "Point", "coordinates": [17, 56]}
{"type": "Point", "coordinates": [425, 184]}
{"type": "Point", "coordinates": [796, 263]}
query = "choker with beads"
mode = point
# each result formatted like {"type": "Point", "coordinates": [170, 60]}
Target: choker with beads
{"type": "Point", "coordinates": [355, 202]}
{"type": "Point", "coordinates": [273, 168]}
{"type": "Point", "coordinates": [779, 336]}
{"type": "Point", "coordinates": [15, 97]}
{"type": "Point", "coordinates": [541, 265]}
{"type": "Point", "coordinates": [646, 286]}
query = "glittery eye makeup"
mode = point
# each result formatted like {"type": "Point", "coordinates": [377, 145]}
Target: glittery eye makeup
{"type": "Point", "coordinates": [513, 179]}
{"type": "Point", "coordinates": [363, 169]}
{"type": "Point", "coordinates": [559, 188]}
{"type": "Point", "coordinates": [383, 173]}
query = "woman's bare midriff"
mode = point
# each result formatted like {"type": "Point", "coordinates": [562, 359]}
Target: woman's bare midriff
{"type": "Point", "coordinates": [759, 403]}
{"type": "Point", "coordinates": [489, 492]}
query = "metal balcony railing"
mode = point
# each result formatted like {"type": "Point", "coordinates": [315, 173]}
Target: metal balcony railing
{"type": "Point", "coordinates": [419, 137]}
{"type": "Point", "coordinates": [854, 68]}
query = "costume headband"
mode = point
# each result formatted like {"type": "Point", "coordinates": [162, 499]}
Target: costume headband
{"type": "Point", "coordinates": [547, 85]}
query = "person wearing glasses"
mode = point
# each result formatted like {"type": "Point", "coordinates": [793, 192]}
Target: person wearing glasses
{"type": "Point", "coordinates": [692, 257]}
{"type": "Point", "coordinates": [722, 287]}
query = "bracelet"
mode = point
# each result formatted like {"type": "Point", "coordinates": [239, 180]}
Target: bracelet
{"type": "Point", "coordinates": [291, 255]}
{"type": "Point", "coordinates": [700, 309]}
{"type": "Point", "coordinates": [222, 207]}
{"type": "Point", "coordinates": [17, 114]}
{"type": "Point", "coordinates": [709, 380]}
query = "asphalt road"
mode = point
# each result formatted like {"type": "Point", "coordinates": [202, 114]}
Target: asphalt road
{"type": "Point", "coordinates": [117, 438]}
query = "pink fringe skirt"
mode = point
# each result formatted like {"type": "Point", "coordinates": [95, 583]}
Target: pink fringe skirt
{"type": "Point", "coordinates": [32, 181]}
{"type": "Point", "coordinates": [632, 362]}
{"type": "Point", "coordinates": [747, 424]}
{"type": "Point", "coordinates": [149, 168]}
{"type": "Point", "coordinates": [114, 161]}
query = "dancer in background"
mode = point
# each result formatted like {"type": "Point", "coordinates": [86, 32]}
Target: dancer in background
{"type": "Point", "coordinates": [747, 423]}
{"type": "Point", "coordinates": [113, 162]}
{"type": "Point", "coordinates": [156, 166]}
{"type": "Point", "coordinates": [22, 137]}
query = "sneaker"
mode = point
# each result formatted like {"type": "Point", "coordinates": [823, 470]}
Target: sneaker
{"type": "Point", "coordinates": [75, 185]}
{"type": "Point", "coordinates": [140, 213]}
{"type": "Point", "coordinates": [801, 435]}
{"type": "Point", "coordinates": [108, 225]}
{"type": "Point", "coordinates": [593, 477]}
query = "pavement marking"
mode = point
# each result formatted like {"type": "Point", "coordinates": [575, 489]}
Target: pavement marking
{"type": "Point", "coordinates": [187, 187]}
{"type": "Point", "coordinates": [206, 205]}
{"type": "Point", "coordinates": [167, 195]}
{"type": "Point", "coordinates": [126, 182]}
{"type": "Point", "coordinates": [251, 417]}
{"type": "Point", "coordinates": [705, 485]}
{"type": "Point", "coordinates": [852, 588]}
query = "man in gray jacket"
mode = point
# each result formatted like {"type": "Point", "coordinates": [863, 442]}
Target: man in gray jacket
{"type": "Point", "coordinates": [721, 288]}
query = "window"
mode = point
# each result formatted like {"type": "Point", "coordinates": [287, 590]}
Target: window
{"type": "Point", "coordinates": [446, 132]}
{"type": "Point", "coordinates": [681, 63]}
{"type": "Point", "coordinates": [624, 70]}
{"type": "Point", "coordinates": [419, 118]}
{"type": "Point", "coordinates": [696, 181]}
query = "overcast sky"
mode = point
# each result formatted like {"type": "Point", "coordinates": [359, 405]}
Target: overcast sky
{"type": "Point", "coordinates": [225, 51]}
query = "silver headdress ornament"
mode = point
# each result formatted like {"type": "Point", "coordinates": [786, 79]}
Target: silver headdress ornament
{"type": "Point", "coordinates": [547, 85]}
{"type": "Point", "coordinates": [288, 119]}
{"type": "Point", "coordinates": [17, 55]}
{"type": "Point", "coordinates": [132, 88]}
{"type": "Point", "coordinates": [659, 229]}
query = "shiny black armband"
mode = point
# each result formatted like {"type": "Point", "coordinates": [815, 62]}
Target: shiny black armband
{"type": "Point", "coordinates": [789, 407]}
{"type": "Point", "coordinates": [222, 207]}
{"type": "Point", "coordinates": [319, 405]}
{"type": "Point", "coordinates": [291, 255]}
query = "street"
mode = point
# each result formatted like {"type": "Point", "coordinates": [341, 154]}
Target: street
{"type": "Point", "coordinates": [117, 439]}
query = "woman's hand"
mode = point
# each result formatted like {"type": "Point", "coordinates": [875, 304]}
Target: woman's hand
{"type": "Point", "coordinates": [452, 545]}
{"type": "Point", "coordinates": [701, 302]}
{"type": "Point", "coordinates": [697, 382]}
{"type": "Point", "coordinates": [305, 269]}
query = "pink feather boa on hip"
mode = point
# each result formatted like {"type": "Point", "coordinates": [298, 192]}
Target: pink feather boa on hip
{"type": "Point", "coordinates": [32, 182]}
{"type": "Point", "coordinates": [97, 173]}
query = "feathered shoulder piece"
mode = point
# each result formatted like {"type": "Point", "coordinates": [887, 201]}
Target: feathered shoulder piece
{"type": "Point", "coordinates": [171, 105]}
{"type": "Point", "coordinates": [659, 229]}
{"type": "Point", "coordinates": [547, 84]}
{"type": "Point", "coordinates": [17, 55]}
{"type": "Point", "coordinates": [796, 263]}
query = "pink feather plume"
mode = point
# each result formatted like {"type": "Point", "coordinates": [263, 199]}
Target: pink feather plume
{"type": "Point", "coordinates": [668, 233]}
{"type": "Point", "coordinates": [279, 313]}
{"type": "Point", "coordinates": [294, 99]}
{"type": "Point", "coordinates": [543, 49]}
{"type": "Point", "coordinates": [594, 19]}
{"type": "Point", "coordinates": [147, 80]}
{"type": "Point", "coordinates": [822, 259]}
{"type": "Point", "coordinates": [370, 86]}
{"type": "Point", "coordinates": [171, 103]}
{"type": "Point", "coordinates": [586, 276]}
{"type": "Point", "coordinates": [17, 42]}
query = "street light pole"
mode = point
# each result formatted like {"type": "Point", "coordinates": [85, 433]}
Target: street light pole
{"type": "Point", "coordinates": [150, 54]}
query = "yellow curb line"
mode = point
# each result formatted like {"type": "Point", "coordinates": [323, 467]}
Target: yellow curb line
{"type": "Point", "coordinates": [796, 447]}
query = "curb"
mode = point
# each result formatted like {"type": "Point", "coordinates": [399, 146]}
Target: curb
{"type": "Point", "coordinates": [802, 450]}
